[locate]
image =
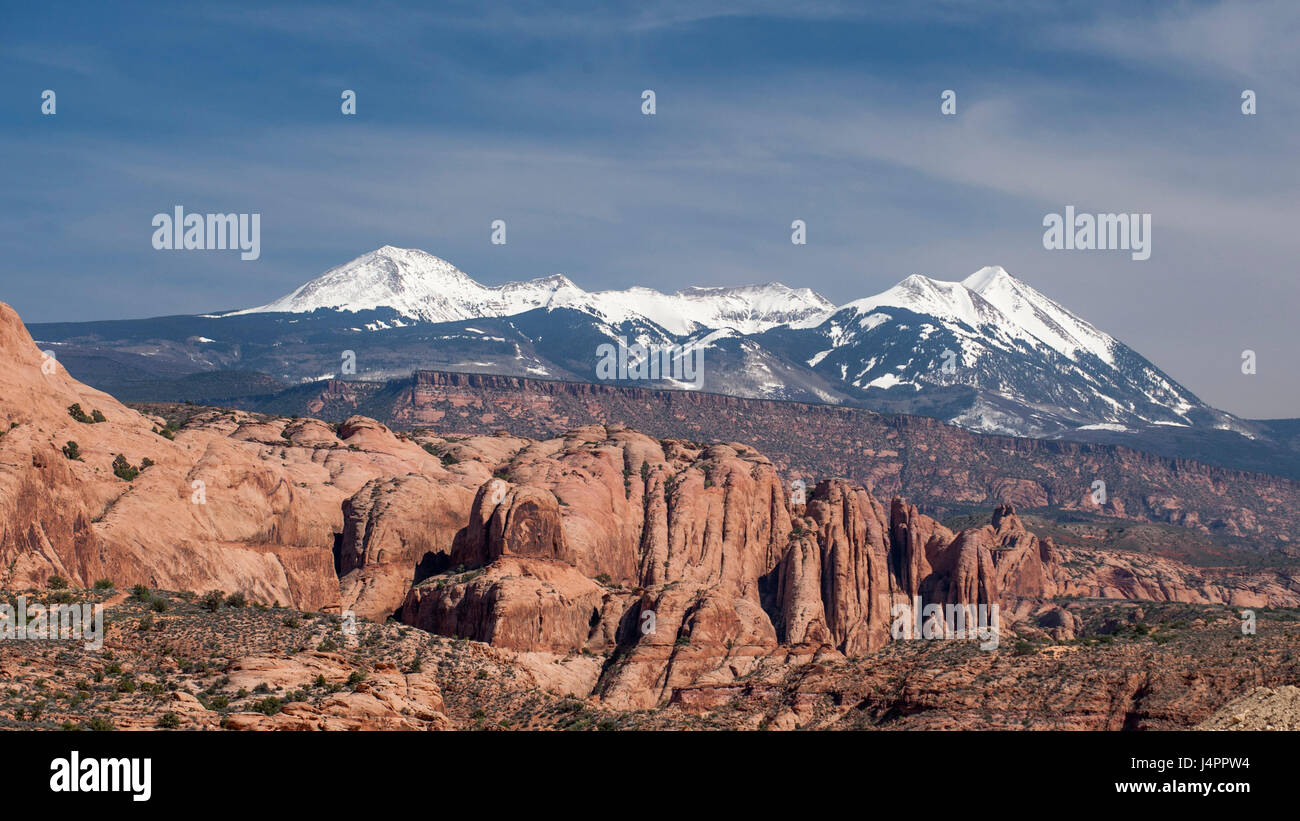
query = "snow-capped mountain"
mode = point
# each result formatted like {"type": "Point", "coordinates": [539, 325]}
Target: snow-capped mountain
{"type": "Point", "coordinates": [989, 353]}
{"type": "Point", "coordinates": [1002, 358]}
{"type": "Point", "coordinates": [422, 287]}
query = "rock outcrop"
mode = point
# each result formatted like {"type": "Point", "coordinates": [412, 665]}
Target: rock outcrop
{"type": "Point", "coordinates": [232, 502]}
{"type": "Point", "coordinates": [682, 567]}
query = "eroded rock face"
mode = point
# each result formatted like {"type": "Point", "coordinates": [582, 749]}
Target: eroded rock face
{"type": "Point", "coordinates": [690, 564]}
{"type": "Point", "coordinates": [234, 502]}
{"type": "Point", "coordinates": [691, 567]}
{"type": "Point", "coordinates": [685, 567]}
{"type": "Point", "coordinates": [393, 530]}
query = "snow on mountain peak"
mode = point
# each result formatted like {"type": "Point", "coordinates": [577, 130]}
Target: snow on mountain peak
{"type": "Point", "coordinates": [422, 286]}
{"type": "Point", "coordinates": [410, 281]}
{"type": "Point", "coordinates": [1040, 316]}
{"type": "Point", "coordinates": [993, 297]}
{"type": "Point", "coordinates": [923, 295]}
{"type": "Point", "coordinates": [748, 308]}
{"type": "Point", "coordinates": [985, 277]}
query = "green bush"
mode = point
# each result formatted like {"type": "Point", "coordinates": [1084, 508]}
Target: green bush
{"type": "Point", "coordinates": [56, 583]}
{"type": "Point", "coordinates": [218, 702]}
{"type": "Point", "coordinates": [123, 469]}
{"type": "Point", "coordinates": [236, 600]}
{"type": "Point", "coordinates": [169, 721]}
{"type": "Point", "coordinates": [104, 584]}
{"type": "Point", "coordinates": [212, 600]}
{"type": "Point", "coordinates": [269, 705]}
{"type": "Point", "coordinates": [72, 451]}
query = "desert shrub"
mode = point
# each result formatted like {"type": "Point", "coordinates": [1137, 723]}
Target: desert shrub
{"type": "Point", "coordinates": [72, 451]}
{"type": "Point", "coordinates": [169, 721]}
{"type": "Point", "coordinates": [123, 469]}
{"type": "Point", "coordinates": [269, 705]}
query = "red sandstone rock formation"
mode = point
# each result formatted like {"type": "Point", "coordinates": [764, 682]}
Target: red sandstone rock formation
{"type": "Point", "coordinates": [233, 502]}
{"type": "Point", "coordinates": [686, 564]}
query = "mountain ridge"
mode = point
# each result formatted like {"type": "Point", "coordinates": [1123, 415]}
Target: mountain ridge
{"type": "Point", "coordinates": [421, 286]}
{"type": "Point", "coordinates": [989, 352]}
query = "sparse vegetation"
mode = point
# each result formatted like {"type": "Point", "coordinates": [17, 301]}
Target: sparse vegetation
{"type": "Point", "coordinates": [123, 469]}
{"type": "Point", "coordinates": [75, 411]}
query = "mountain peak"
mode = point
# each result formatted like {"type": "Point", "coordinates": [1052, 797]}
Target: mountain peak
{"type": "Point", "coordinates": [987, 277]}
{"type": "Point", "coordinates": [419, 285]}
{"type": "Point", "coordinates": [556, 281]}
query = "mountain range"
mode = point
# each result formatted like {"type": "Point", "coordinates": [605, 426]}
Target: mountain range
{"type": "Point", "coordinates": [989, 353]}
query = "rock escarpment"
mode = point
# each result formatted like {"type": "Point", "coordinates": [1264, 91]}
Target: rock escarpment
{"type": "Point", "coordinates": [677, 567]}
{"type": "Point", "coordinates": [691, 565]}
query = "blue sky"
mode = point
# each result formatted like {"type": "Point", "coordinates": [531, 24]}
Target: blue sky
{"type": "Point", "coordinates": [766, 112]}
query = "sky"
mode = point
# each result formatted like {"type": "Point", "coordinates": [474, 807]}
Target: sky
{"type": "Point", "coordinates": [766, 112]}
